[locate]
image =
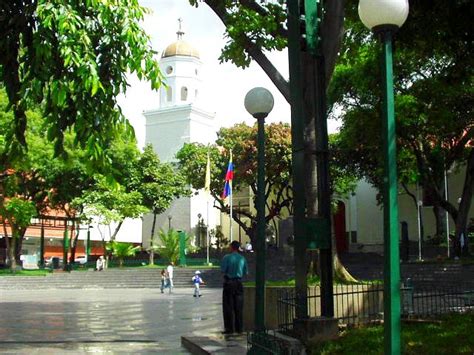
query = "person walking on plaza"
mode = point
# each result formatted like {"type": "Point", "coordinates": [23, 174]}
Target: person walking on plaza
{"type": "Point", "coordinates": [234, 267]}
{"type": "Point", "coordinates": [164, 280]}
{"type": "Point", "coordinates": [170, 270]}
{"type": "Point", "coordinates": [197, 281]}
{"type": "Point", "coordinates": [100, 263]}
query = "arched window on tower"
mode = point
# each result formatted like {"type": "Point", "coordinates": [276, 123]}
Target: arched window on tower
{"type": "Point", "coordinates": [169, 94]}
{"type": "Point", "coordinates": [195, 94]}
{"type": "Point", "coordinates": [184, 93]}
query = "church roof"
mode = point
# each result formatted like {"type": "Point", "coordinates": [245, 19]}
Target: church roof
{"type": "Point", "coordinates": [181, 48]}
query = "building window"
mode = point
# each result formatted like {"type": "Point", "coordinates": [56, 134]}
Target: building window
{"type": "Point", "coordinates": [196, 94]}
{"type": "Point", "coordinates": [169, 70]}
{"type": "Point", "coordinates": [169, 94]}
{"type": "Point", "coordinates": [184, 93]}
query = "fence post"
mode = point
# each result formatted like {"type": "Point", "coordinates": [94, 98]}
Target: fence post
{"type": "Point", "coordinates": [407, 297]}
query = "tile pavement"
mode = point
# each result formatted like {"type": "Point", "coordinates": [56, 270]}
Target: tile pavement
{"type": "Point", "coordinates": [117, 321]}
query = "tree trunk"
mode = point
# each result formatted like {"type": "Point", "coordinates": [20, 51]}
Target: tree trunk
{"type": "Point", "coordinates": [12, 253]}
{"type": "Point", "coordinates": [7, 242]}
{"type": "Point", "coordinates": [464, 207]}
{"type": "Point", "coordinates": [152, 237]}
{"type": "Point", "coordinates": [340, 271]}
{"type": "Point", "coordinates": [74, 240]}
{"type": "Point", "coordinates": [117, 229]}
{"type": "Point", "coordinates": [332, 29]}
{"type": "Point", "coordinates": [19, 245]}
{"type": "Point", "coordinates": [440, 218]}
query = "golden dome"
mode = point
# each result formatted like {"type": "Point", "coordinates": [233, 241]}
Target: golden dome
{"type": "Point", "coordinates": [181, 48]}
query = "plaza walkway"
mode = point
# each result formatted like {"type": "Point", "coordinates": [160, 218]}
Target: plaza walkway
{"type": "Point", "coordinates": [117, 321]}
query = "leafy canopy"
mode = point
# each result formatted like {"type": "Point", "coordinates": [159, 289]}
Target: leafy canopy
{"type": "Point", "coordinates": [242, 139]}
{"type": "Point", "coordinates": [73, 58]}
{"type": "Point", "coordinates": [434, 94]}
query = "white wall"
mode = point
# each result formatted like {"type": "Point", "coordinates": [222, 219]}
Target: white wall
{"type": "Point", "coordinates": [130, 232]}
{"type": "Point", "coordinates": [366, 217]}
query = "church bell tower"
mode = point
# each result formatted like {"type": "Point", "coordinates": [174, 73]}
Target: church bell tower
{"type": "Point", "coordinates": [179, 119]}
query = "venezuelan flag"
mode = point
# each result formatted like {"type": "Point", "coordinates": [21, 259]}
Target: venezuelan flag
{"type": "Point", "coordinates": [228, 179]}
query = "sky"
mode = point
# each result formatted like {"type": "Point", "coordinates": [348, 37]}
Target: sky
{"type": "Point", "coordinates": [224, 85]}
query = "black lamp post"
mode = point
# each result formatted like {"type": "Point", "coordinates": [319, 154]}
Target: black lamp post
{"type": "Point", "coordinates": [259, 102]}
{"type": "Point", "coordinates": [384, 17]}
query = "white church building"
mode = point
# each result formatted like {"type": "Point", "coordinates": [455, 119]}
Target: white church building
{"type": "Point", "coordinates": [179, 119]}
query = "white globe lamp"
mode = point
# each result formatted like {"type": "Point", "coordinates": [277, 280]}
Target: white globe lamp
{"type": "Point", "coordinates": [259, 102]}
{"type": "Point", "coordinates": [383, 13]}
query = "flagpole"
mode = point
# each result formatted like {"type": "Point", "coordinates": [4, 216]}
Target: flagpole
{"type": "Point", "coordinates": [228, 190]}
{"type": "Point", "coordinates": [231, 235]}
{"type": "Point", "coordinates": [207, 229]}
{"type": "Point", "coordinates": [231, 202]}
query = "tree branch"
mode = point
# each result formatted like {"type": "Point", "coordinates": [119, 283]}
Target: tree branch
{"type": "Point", "coordinates": [254, 51]}
{"type": "Point", "coordinates": [252, 5]}
{"type": "Point", "coordinates": [332, 32]}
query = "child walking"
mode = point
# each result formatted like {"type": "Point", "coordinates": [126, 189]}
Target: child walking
{"type": "Point", "coordinates": [164, 280]}
{"type": "Point", "coordinates": [197, 281]}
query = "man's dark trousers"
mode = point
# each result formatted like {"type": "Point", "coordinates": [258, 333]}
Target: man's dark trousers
{"type": "Point", "coordinates": [232, 304]}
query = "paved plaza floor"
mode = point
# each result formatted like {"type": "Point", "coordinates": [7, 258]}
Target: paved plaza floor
{"type": "Point", "coordinates": [114, 321]}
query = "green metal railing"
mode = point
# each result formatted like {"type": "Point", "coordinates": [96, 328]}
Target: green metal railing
{"type": "Point", "coordinates": [264, 342]}
{"type": "Point", "coordinates": [363, 303]}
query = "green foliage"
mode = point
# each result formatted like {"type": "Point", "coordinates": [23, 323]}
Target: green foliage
{"type": "Point", "coordinates": [434, 94]}
{"type": "Point", "coordinates": [260, 22]}
{"type": "Point", "coordinates": [220, 241]}
{"type": "Point", "coordinates": [73, 58]}
{"type": "Point", "coordinates": [451, 336]}
{"type": "Point", "coordinates": [169, 249]}
{"type": "Point", "coordinates": [141, 183]}
{"type": "Point", "coordinates": [8, 272]}
{"type": "Point", "coordinates": [159, 183]}
{"type": "Point", "coordinates": [18, 212]}
{"type": "Point", "coordinates": [121, 250]}
{"type": "Point", "coordinates": [242, 139]}
{"type": "Point", "coordinates": [111, 203]}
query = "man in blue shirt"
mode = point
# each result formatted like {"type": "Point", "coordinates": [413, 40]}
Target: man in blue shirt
{"type": "Point", "coordinates": [234, 267]}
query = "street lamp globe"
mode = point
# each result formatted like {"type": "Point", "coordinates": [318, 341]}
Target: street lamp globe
{"type": "Point", "coordinates": [377, 13]}
{"type": "Point", "coordinates": [259, 102]}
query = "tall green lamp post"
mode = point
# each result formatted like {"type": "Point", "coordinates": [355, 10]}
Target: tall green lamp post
{"type": "Point", "coordinates": [384, 17]}
{"type": "Point", "coordinates": [259, 102]}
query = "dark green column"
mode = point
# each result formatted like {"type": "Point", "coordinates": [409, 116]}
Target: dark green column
{"type": "Point", "coordinates": [65, 246]}
{"type": "Point", "coordinates": [182, 248]}
{"type": "Point", "coordinates": [297, 142]}
{"type": "Point", "coordinates": [41, 262]}
{"type": "Point", "coordinates": [88, 245]}
{"type": "Point", "coordinates": [391, 234]}
{"type": "Point", "coordinates": [324, 194]}
{"type": "Point", "coordinates": [260, 245]}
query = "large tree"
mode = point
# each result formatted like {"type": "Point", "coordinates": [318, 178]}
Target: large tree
{"type": "Point", "coordinates": [159, 184]}
{"type": "Point", "coordinates": [255, 27]}
{"type": "Point", "coordinates": [73, 58]}
{"type": "Point", "coordinates": [242, 140]}
{"type": "Point", "coordinates": [36, 177]}
{"type": "Point", "coordinates": [434, 99]}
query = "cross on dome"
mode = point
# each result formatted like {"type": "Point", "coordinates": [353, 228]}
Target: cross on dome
{"type": "Point", "coordinates": [180, 32]}
{"type": "Point", "coordinates": [180, 47]}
